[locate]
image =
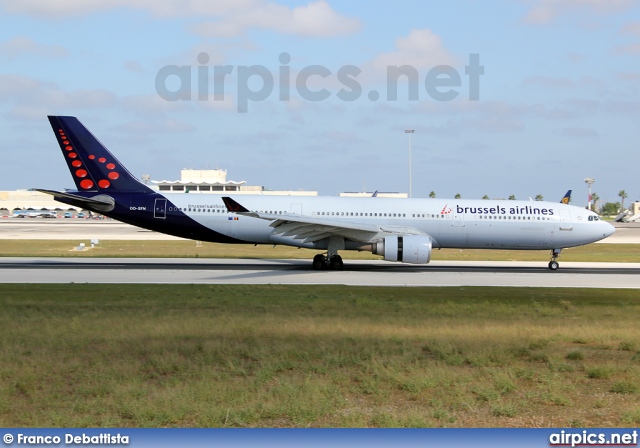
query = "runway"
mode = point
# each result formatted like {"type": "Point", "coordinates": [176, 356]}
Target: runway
{"type": "Point", "coordinates": [299, 272]}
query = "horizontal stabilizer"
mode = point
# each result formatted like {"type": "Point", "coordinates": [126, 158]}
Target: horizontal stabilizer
{"type": "Point", "coordinates": [99, 202]}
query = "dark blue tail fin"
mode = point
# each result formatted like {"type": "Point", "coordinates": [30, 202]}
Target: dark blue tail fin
{"type": "Point", "coordinates": [92, 166]}
{"type": "Point", "coordinates": [566, 198]}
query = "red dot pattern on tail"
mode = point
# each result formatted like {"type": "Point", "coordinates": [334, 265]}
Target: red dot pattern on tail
{"type": "Point", "coordinates": [82, 173]}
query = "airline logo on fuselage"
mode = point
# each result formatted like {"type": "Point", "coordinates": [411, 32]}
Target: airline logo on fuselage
{"type": "Point", "coordinates": [526, 210]}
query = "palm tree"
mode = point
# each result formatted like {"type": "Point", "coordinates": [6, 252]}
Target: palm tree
{"type": "Point", "coordinates": [512, 197]}
{"type": "Point", "coordinates": [432, 195]}
{"type": "Point", "coordinates": [595, 198]}
{"type": "Point", "coordinates": [486, 196]}
{"type": "Point", "coordinates": [457, 196]}
{"type": "Point", "coordinates": [623, 194]}
{"type": "Point", "coordinates": [539, 197]}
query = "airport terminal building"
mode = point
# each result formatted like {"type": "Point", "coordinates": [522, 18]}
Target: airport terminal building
{"type": "Point", "coordinates": [215, 182]}
{"type": "Point", "coordinates": [191, 182]}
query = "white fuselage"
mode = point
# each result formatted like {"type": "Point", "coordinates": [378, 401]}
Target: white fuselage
{"type": "Point", "coordinates": [455, 223]}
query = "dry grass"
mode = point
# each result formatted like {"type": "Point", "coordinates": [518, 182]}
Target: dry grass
{"type": "Point", "coordinates": [139, 355]}
{"type": "Point", "coordinates": [190, 249]}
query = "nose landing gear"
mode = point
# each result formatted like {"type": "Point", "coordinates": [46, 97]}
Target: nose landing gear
{"type": "Point", "coordinates": [553, 264]}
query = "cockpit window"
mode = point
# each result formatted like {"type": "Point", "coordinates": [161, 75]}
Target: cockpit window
{"type": "Point", "coordinates": [594, 218]}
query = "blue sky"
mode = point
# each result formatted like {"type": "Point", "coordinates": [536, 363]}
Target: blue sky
{"type": "Point", "coordinates": [559, 99]}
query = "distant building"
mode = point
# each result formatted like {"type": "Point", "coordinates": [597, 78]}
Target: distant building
{"type": "Point", "coordinates": [22, 200]}
{"type": "Point", "coordinates": [191, 181]}
{"type": "Point", "coordinates": [215, 182]}
{"type": "Point", "coordinates": [208, 181]}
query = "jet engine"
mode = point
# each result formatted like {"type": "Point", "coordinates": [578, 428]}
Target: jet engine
{"type": "Point", "coordinates": [414, 249]}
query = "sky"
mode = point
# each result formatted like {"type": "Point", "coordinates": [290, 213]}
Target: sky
{"type": "Point", "coordinates": [506, 97]}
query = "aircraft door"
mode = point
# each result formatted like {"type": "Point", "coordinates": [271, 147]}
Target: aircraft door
{"type": "Point", "coordinates": [565, 220]}
{"type": "Point", "coordinates": [458, 220]}
{"type": "Point", "coordinates": [160, 209]}
{"type": "Point", "coordinates": [296, 209]}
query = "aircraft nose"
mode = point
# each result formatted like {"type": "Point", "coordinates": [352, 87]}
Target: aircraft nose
{"type": "Point", "coordinates": [608, 229]}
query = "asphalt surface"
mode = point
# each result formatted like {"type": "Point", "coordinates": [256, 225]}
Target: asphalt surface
{"type": "Point", "coordinates": [299, 272]}
{"type": "Point", "coordinates": [294, 272]}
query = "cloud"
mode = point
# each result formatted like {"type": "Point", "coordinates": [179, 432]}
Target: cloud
{"type": "Point", "coordinates": [21, 45]}
{"type": "Point", "coordinates": [133, 67]}
{"type": "Point", "coordinates": [547, 82]}
{"type": "Point", "coordinates": [498, 110]}
{"type": "Point", "coordinates": [579, 132]}
{"type": "Point", "coordinates": [316, 19]}
{"type": "Point", "coordinates": [630, 49]}
{"type": "Point", "coordinates": [338, 136]}
{"type": "Point", "coordinates": [231, 17]}
{"type": "Point", "coordinates": [631, 29]}
{"type": "Point", "coordinates": [420, 49]}
{"type": "Point", "coordinates": [151, 105]}
{"type": "Point", "coordinates": [32, 99]}
{"type": "Point", "coordinates": [633, 77]}
{"type": "Point", "coordinates": [590, 106]}
{"type": "Point", "coordinates": [227, 103]}
{"type": "Point", "coordinates": [167, 8]}
{"type": "Point", "coordinates": [543, 12]}
{"type": "Point", "coordinates": [152, 127]}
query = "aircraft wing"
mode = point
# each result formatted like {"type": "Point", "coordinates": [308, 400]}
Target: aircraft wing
{"type": "Point", "coordinates": [312, 228]}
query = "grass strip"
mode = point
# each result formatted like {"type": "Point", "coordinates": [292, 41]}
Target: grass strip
{"type": "Point", "coordinates": [192, 249]}
{"type": "Point", "coordinates": [322, 356]}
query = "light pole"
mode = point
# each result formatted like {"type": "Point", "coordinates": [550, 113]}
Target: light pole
{"type": "Point", "coordinates": [409, 131]}
{"type": "Point", "coordinates": [589, 181]}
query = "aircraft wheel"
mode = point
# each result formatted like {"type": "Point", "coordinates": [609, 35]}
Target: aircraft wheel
{"type": "Point", "coordinates": [319, 262]}
{"type": "Point", "coordinates": [336, 263]}
{"type": "Point", "coordinates": [553, 265]}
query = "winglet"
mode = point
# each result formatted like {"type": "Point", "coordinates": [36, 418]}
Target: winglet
{"type": "Point", "coordinates": [566, 198]}
{"type": "Point", "coordinates": [233, 206]}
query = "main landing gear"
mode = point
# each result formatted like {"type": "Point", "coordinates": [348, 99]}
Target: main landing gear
{"type": "Point", "coordinates": [331, 260]}
{"type": "Point", "coordinates": [334, 262]}
{"type": "Point", "coordinates": [553, 264]}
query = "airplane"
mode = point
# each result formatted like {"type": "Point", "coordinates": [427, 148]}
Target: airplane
{"type": "Point", "coordinates": [403, 230]}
